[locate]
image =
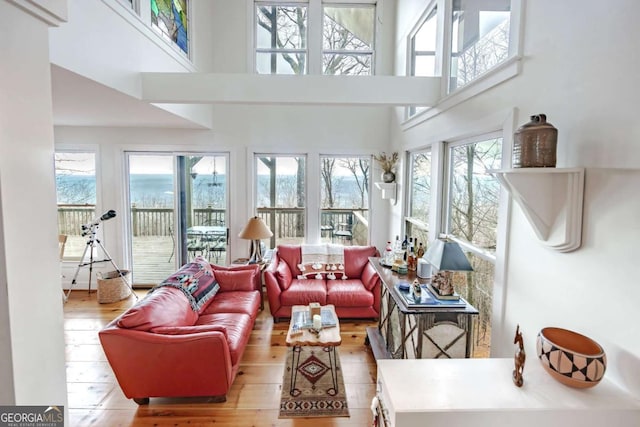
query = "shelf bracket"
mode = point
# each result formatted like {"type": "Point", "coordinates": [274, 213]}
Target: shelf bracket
{"type": "Point", "coordinates": [551, 200]}
{"type": "Point", "coordinates": [389, 191]}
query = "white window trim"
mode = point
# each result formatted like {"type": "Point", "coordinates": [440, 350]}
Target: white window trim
{"type": "Point", "coordinates": [314, 38]}
{"type": "Point", "coordinates": [502, 72]}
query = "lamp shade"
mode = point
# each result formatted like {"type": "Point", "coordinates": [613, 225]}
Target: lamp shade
{"type": "Point", "coordinates": [255, 229]}
{"type": "Point", "coordinates": [446, 255]}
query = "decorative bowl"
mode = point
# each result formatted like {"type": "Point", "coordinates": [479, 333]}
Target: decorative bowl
{"type": "Point", "coordinates": [571, 358]}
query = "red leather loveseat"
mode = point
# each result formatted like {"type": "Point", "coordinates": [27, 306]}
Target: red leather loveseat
{"type": "Point", "coordinates": [355, 296]}
{"type": "Point", "coordinates": [166, 346]}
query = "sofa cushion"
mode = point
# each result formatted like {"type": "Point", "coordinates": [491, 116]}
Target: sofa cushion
{"type": "Point", "coordinates": [348, 293]}
{"type": "Point", "coordinates": [302, 292]}
{"type": "Point", "coordinates": [235, 302]}
{"type": "Point", "coordinates": [238, 327]}
{"type": "Point", "coordinates": [292, 255]}
{"type": "Point", "coordinates": [166, 306]}
{"type": "Point", "coordinates": [239, 280]}
{"type": "Point", "coordinates": [283, 272]}
{"type": "Point", "coordinates": [356, 258]}
{"type": "Point", "coordinates": [186, 330]}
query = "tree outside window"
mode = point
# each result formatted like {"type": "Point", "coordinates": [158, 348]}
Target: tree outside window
{"type": "Point", "coordinates": [417, 221]}
{"type": "Point", "coordinates": [281, 196]}
{"type": "Point", "coordinates": [472, 217]}
{"type": "Point", "coordinates": [283, 31]}
{"type": "Point", "coordinates": [344, 204]}
{"type": "Point", "coordinates": [76, 197]}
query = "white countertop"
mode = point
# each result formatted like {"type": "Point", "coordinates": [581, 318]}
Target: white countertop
{"type": "Point", "coordinates": [485, 386]}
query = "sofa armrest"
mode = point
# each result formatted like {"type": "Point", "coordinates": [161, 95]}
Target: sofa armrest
{"type": "Point", "coordinates": [369, 276]}
{"type": "Point", "coordinates": [151, 365]}
{"type": "Point", "coordinates": [273, 287]}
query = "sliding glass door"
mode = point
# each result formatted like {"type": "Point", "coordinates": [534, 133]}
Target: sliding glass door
{"type": "Point", "coordinates": [178, 210]}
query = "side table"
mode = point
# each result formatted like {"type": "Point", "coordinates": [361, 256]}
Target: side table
{"type": "Point", "coordinates": [420, 332]}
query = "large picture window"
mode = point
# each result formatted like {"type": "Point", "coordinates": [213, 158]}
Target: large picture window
{"type": "Point", "coordinates": [422, 46]}
{"type": "Point", "coordinates": [479, 38]}
{"type": "Point", "coordinates": [347, 40]}
{"type": "Point", "coordinates": [417, 220]}
{"type": "Point", "coordinates": [344, 205]}
{"type": "Point", "coordinates": [472, 218]}
{"type": "Point", "coordinates": [313, 37]}
{"type": "Point", "coordinates": [281, 196]}
{"type": "Point", "coordinates": [281, 39]}
{"type": "Point", "coordinates": [76, 195]}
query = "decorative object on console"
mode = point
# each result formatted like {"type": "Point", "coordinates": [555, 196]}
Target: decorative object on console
{"type": "Point", "coordinates": [534, 144]}
{"type": "Point", "coordinates": [388, 165]}
{"type": "Point", "coordinates": [445, 256]}
{"type": "Point", "coordinates": [571, 358]}
{"type": "Point", "coordinates": [255, 230]}
{"type": "Point", "coordinates": [519, 358]}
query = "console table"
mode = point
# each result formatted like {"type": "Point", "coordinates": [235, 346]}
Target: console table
{"type": "Point", "coordinates": [416, 333]}
{"type": "Point", "coordinates": [480, 392]}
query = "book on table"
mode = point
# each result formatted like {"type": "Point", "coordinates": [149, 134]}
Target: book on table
{"type": "Point", "coordinates": [303, 320]}
{"type": "Point", "coordinates": [427, 299]}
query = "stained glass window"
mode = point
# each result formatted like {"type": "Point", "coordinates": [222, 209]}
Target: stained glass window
{"type": "Point", "coordinates": [170, 18]}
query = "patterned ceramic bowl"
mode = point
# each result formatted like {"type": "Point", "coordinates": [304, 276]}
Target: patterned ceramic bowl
{"type": "Point", "coordinates": [571, 358]}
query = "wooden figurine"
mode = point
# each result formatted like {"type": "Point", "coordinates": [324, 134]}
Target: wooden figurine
{"type": "Point", "coordinates": [519, 359]}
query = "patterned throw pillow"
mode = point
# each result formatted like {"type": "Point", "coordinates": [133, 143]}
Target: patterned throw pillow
{"type": "Point", "coordinates": [196, 281]}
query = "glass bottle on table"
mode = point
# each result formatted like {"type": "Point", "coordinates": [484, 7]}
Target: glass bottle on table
{"type": "Point", "coordinates": [388, 254]}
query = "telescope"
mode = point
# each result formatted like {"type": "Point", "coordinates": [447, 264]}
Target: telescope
{"type": "Point", "coordinates": [104, 217]}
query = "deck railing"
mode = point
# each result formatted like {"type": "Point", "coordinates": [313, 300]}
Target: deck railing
{"type": "Point", "coordinates": [284, 222]}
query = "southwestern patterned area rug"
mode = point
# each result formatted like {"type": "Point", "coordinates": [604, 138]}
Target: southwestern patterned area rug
{"type": "Point", "coordinates": [314, 394]}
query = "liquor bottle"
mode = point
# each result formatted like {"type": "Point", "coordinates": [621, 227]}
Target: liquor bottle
{"type": "Point", "coordinates": [405, 244]}
{"type": "Point", "coordinates": [420, 252]}
{"type": "Point", "coordinates": [412, 261]}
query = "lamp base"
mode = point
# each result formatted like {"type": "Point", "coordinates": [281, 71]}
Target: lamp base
{"type": "Point", "coordinates": [256, 252]}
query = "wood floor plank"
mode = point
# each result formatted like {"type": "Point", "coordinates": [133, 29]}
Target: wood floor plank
{"type": "Point", "coordinates": [95, 398]}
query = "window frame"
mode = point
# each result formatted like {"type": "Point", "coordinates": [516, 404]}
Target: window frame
{"type": "Point", "coordinates": [410, 221]}
{"type": "Point", "coordinates": [165, 37]}
{"type": "Point", "coordinates": [496, 75]}
{"type": "Point", "coordinates": [315, 23]}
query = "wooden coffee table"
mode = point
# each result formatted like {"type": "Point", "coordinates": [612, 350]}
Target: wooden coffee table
{"type": "Point", "coordinates": [328, 338]}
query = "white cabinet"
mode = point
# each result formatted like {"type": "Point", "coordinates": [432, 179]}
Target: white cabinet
{"type": "Point", "coordinates": [551, 199]}
{"type": "Point", "coordinates": [481, 393]}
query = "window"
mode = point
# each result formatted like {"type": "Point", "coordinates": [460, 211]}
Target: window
{"type": "Point", "coordinates": [76, 197]}
{"type": "Point", "coordinates": [479, 38]}
{"type": "Point", "coordinates": [344, 204]}
{"type": "Point", "coordinates": [170, 18]}
{"type": "Point", "coordinates": [281, 39]}
{"type": "Point", "coordinates": [472, 217]}
{"type": "Point", "coordinates": [347, 40]}
{"type": "Point", "coordinates": [301, 37]}
{"type": "Point", "coordinates": [423, 51]}
{"type": "Point", "coordinates": [417, 220]}
{"type": "Point", "coordinates": [281, 196]}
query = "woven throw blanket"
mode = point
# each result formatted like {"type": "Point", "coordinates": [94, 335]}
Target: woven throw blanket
{"type": "Point", "coordinates": [319, 261]}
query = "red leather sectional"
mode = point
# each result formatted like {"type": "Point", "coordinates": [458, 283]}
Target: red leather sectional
{"type": "Point", "coordinates": [358, 296]}
{"type": "Point", "coordinates": [161, 347]}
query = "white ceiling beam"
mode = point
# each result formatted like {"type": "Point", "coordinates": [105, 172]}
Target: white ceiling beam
{"type": "Point", "coordinates": [207, 88]}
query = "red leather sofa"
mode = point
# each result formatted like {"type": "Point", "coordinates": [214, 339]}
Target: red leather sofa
{"type": "Point", "coordinates": [357, 296]}
{"type": "Point", "coordinates": [161, 347]}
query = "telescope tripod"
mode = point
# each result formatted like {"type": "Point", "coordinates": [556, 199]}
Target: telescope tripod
{"type": "Point", "coordinates": [91, 245]}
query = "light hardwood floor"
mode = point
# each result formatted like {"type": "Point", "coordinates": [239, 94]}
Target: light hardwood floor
{"type": "Point", "coordinates": [95, 399]}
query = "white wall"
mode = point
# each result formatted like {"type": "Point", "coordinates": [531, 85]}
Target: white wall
{"type": "Point", "coordinates": [31, 298]}
{"type": "Point", "coordinates": [579, 67]}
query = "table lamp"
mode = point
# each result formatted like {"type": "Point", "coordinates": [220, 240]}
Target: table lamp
{"type": "Point", "coordinates": [445, 256]}
{"type": "Point", "coordinates": [255, 230]}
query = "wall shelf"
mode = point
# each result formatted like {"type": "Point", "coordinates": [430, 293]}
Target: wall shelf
{"type": "Point", "coordinates": [389, 191]}
{"type": "Point", "coordinates": [551, 200]}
